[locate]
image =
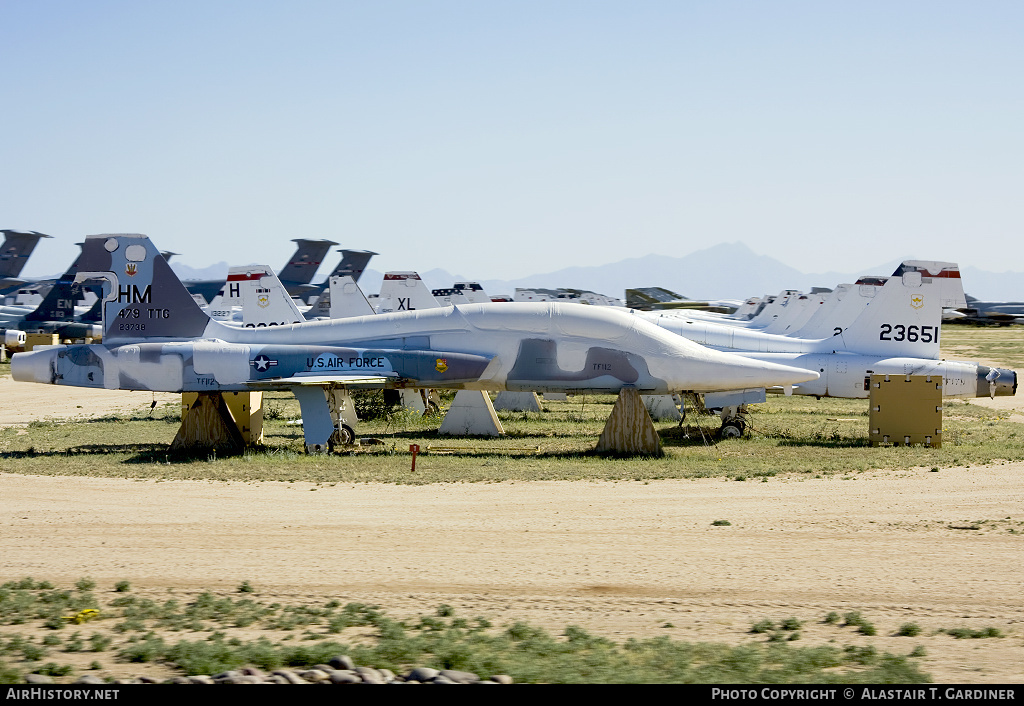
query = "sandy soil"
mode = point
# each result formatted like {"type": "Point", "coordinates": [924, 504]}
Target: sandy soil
{"type": "Point", "coordinates": [622, 559]}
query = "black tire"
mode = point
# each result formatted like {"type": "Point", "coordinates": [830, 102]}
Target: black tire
{"type": "Point", "coordinates": [343, 436]}
{"type": "Point", "coordinates": [733, 429]}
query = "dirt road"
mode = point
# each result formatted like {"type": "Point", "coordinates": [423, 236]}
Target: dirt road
{"type": "Point", "coordinates": [621, 559]}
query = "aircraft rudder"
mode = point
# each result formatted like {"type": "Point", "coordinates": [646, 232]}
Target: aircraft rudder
{"type": "Point", "coordinates": [16, 249]}
{"type": "Point", "coordinates": [303, 264]}
{"type": "Point", "coordinates": [904, 317]}
{"type": "Point", "coordinates": [143, 298]}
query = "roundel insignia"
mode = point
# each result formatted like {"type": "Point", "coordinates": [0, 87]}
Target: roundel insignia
{"type": "Point", "coordinates": [442, 365]}
{"type": "Point", "coordinates": [917, 301]}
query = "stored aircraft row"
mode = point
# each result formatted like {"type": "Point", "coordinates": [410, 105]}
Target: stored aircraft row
{"type": "Point", "coordinates": [156, 337]}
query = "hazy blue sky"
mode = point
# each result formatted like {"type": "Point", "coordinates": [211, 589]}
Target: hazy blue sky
{"type": "Point", "coordinates": [500, 139]}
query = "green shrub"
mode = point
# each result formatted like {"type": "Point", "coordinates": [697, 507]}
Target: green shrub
{"type": "Point", "coordinates": [99, 643]}
{"type": "Point", "coordinates": [791, 624]}
{"type": "Point", "coordinates": [909, 630]}
{"type": "Point", "coordinates": [962, 633]}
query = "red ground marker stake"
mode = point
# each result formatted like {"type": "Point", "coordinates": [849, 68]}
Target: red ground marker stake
{"type": "Point", "coordinates": [415, 449]}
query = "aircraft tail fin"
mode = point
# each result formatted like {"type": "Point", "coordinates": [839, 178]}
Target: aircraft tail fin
{"type": "Point", "coordinates": [95, 313]}
{"type": "Point", "coordinates": [352, 264]}
{"type": "Point", "coordinates": [142, 297]}
{"type": "Point", "coordinates": [264, 300]}
{"type": "Point", "coordinates": [306, 260]}
{"type": "Point", "coordinates": [404, 291]}
{"type": "Point", "coordinates": [16, 248]}
{"type": "Point", "coordinates": [904, 316]}
{"type": "Point", "coordinates": [346, 299]}
{"type": "Point", "coordinates": [58, 304]}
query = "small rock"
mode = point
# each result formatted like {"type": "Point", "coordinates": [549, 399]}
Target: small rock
{"type": "Point", "coordinates": [291, 676]}
{"type": "Point", "coordinates": [89, 679]}
{"type": "Point", "coordinates": [422, 674]}
{"type": "Point", "coordinates": [459, 677]}
{"type": "Point", "coordinates": [38, 679]}
{"type": "Point", "coordinates": [345, 676]}
{"type": "Point", "coordinates": [342, 662]}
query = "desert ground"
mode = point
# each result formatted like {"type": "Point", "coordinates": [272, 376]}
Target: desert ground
{"type": "Point", "coordinates": [621, 559]}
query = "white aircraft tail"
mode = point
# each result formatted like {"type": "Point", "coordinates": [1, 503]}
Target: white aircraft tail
{"type": "Point", "coordinates": [904, 316]}
{"type": "Point", "coordinates": [264, 300]}
{"type": "Point", "coordinates": [345, 299]}
{"type": "Point", "coordinates": [404, 291]}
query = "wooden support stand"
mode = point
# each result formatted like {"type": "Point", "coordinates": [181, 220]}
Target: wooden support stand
{"type": "Point", "coordinates": [40, 339]}
{"type": "Point", "coordinates": [905, 410]}
{"type": "Point", "coordinates": [629, 429]}
{"type": "Point", "coordinates": [229, 421]}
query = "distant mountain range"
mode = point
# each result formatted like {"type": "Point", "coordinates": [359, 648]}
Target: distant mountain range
{"type": "Point", "coordinates": [726, 271]}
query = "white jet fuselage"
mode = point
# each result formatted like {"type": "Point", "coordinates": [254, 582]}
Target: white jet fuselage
{"type": "Point", "coordinates": [545, 347]}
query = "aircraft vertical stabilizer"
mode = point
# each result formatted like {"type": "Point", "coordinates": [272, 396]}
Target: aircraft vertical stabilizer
{"type": "Point", "coordinates": [904, 317]}
{"type": "Point", "coordinates": [16, 248]}
{"type": "Point", "coordinates": [264, 300]}
{"type": "Point", "coordinates": [306, 261]}
{"type": "Point", "coordinates": [404, 291]}
{"type": "Point", "coordinates": [346, 299]}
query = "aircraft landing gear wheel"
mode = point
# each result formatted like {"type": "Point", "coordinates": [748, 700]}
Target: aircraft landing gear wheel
{"type": "Point", "coordinates": [733, 429]}
{"type": "Point", "coordinates": [342, 436]}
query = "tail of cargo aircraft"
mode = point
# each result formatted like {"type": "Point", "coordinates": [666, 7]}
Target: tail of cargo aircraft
{"type": "Point", "coordinates": [352, 264]}
{"type": "Point", "coordinates": [16, 248]}
{"type": "Point", "coordinates": [306, 261]}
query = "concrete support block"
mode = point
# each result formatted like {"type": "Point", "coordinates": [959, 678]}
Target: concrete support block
{"type": "Point", "coordinates": [471, 414]}
{"type": "Point", "coordinates": [662, 407]}
{"type": "Point", "coordinates": [517, 402]}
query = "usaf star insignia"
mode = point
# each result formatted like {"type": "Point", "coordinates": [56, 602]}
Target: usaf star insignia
{"type": "Point", "coordinates": [262, 363]}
